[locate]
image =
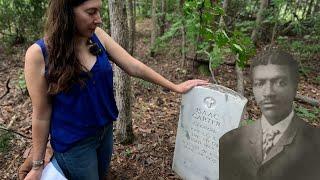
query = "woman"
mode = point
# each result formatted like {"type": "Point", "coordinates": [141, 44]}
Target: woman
{"type": "Point", "coordinates": [69, 80]}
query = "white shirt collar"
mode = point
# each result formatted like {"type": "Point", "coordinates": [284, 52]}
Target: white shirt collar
{"type": "Point", "coordinates": [281, 126]}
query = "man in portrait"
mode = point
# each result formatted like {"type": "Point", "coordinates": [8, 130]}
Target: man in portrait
{"type": "Point", "coordinates": [278, 146]}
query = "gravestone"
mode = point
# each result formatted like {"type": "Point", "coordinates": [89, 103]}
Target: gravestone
{"type": "Point", "coordinates": [206, 114]}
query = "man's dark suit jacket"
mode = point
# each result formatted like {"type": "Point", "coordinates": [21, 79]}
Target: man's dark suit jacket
{"type": "Point", "coordinates": [296, 156]}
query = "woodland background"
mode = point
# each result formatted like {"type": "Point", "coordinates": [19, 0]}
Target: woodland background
{"type": "Point", "coordinates": [180, 39]}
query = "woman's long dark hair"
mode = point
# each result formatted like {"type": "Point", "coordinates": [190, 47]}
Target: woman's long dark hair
{"type": "Point", "coordinates": [63, 67]}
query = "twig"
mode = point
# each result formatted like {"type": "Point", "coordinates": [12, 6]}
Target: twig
{"type": "Point", "coordinates": [13, 161]}
{"type": "Point", "coordinates": [8, 89]}
{"type": "Point", "coordinates": [9, 104]}
{"type": "Point", "coordinates": [12, 131]}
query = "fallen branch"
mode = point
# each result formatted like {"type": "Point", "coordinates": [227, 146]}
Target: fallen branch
{"type": "Point", "coordinates": [308, 100]}
{"type": "Point", "coordinates": [12, 131]}
{"type": "Point", "coordinates": [9, 104]}
{"type": "Point", "coordinates": [7, 87]}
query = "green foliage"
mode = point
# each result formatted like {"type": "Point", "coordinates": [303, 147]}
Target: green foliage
{"type": "Point", "coordinates": [306, 47]}
{"type": "Point", "coordinates": [245, 26]}
{"type": "Point", "coordinates": [317, 80]}
{"type": "Point", "coordinates": [311, 115]}
{"type": "Point", "coordinates": [22, 83]}
{"type": "Point", "coordinates": [145, 84]}
{"type": "Point", "coordinates": [5, 138]}
{"type": "Point", "coordinates": [288, 18]}
{"type": "Point", "coordinates": [304, 50]}
{"type": "Point", "coordinates": [128, 152]}
{"type": "Point", "coordinates": [304, 70]}
{"type": "Point", "coordinates": [204, 70]}
{"type": "Point", "coordinates": [316, 27]}
{"type": "Point", "coordinates": [246, 122]}
{"type": "Point", "coordinates": [298, 28]}
{"type": "Point", "coordinates": [104, 13]}
{"type": "Point", "coordinates": [21, 20]}
{"type": "Point", "coordinates": [238, 44]}
{"type": "Point", "coordinates": [201, 22]}
{"type": "Point", "coordinates": [174, 30]}
{"type": "Point", "coordinates": [242, 46]}
{"type": "Point", "coordinates": [144, 8]}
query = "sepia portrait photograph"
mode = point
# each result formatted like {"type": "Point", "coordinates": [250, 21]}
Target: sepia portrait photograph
{"type": "Point", "coordinates": [279, 145]}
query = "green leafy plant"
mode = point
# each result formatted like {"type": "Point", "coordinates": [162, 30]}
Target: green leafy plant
{"type": "Point", "coordinates": [204, 70]}
{"type": "Point", "coordinates": [5, 138]}
{"type": "Point", "coordinates": [311, 115]}
{"type": "Point", "coordinates": [203, 32]}
{"type": "Point", "coordinates": [317, 80]}
{"type": "Point", "coordinates": [304, 70]}
{"type": "Point", "coordinates": [22, 84]}
{"type": "Point", "coordinates": [21, 20]}
{"type": "Point", "coordinates": [246, 122]}
{"type": "Point", "coordinates": [128, 152]}
{"type": "Point", "coordinates": [145, 84]}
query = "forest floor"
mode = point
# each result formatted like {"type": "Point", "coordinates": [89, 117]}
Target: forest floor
{"type": "Point", "coordinates": [155, 110]}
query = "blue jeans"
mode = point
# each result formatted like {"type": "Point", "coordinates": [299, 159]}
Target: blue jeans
{"type": "Point", "coordinates": [89, 158]}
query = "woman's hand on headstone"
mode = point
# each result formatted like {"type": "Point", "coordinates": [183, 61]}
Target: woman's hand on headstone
{"type": "Point", "coordinates": [188, 85]}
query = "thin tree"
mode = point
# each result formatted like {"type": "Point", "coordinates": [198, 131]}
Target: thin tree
{"type": "Point", "coordinates": [310, 7]}
{"type": "Point", "coordinates": [183, 33]}
{"type": "Point", "coordinates": [225, 7]}
{"type": "Point", "coordinates": [119, 32]}
{"type": "Point", "coordinates": [239, 71]}
{"type": "Point", "coordinates": [259, 19]}
{"type": "Point", "coordinates": [154, 27]}
{"type": "Point", "coordinates": [132, 26]}
{"type": "Point", "coordinates": [316, 8]}
{"type": "Point", "coordinates": [163, 17]}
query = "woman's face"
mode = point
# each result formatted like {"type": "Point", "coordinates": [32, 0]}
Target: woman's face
{"type": "Point", "coordinates": [87, 17]}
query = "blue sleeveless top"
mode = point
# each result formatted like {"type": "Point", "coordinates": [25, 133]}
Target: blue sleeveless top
{"type": "Point", "coordinates": [82, 111]}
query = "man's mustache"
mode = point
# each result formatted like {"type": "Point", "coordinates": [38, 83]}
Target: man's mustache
{"type": "Point", "coordinates": [268, 101]}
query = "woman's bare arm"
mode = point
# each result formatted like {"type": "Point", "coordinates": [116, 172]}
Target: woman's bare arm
{"type": "Point", "coordinates": [41, 106]}
{"type": "Point", "coordinates": [137, 69]}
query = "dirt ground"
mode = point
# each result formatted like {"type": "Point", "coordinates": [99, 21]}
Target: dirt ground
{"type": "Point", "coordinates": [155, 110]}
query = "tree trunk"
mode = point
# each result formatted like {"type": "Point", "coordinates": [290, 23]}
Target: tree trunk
{"type": "Point", "coordinates": [183, 34]}
{"type": "Point", "coordinates": [240, 80]}
{"type": "Point", "coordinates": [305, 8]}
{"type": "Point", "coordinates": [199, 36]}
{"type": "Point", "coordinates": [154, 27]}
{"type": "Point", "coordinates": [225, 7]}
{"type": "Point", "coordinates": [240, 90]}
{"type": "Point", "coordinates": [163, 17]}
{"type": "Point", "coordinates": [256, 30]}
{"type": "Point", "coordinates": [134, 11]}
{"type": "Point", "coordinates": [132, 29]}
{"type": "Point", "coordinates": [119, 32]}
{"type": "Point", "coordinates": [316, 8]}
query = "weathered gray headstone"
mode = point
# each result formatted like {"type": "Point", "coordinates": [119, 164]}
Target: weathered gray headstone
{"type": "Point", "coordinates": [206, 114]}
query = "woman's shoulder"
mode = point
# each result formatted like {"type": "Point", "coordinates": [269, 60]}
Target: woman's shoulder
{"type": "Point", "coordinates": [100, 32]}
{"type": "Point", "coordinates": [102, 35]}
{"type": "Point", "coordinates": [34, 55]}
